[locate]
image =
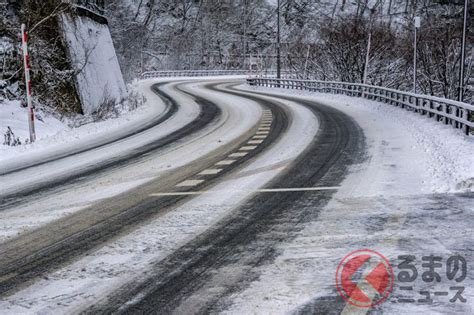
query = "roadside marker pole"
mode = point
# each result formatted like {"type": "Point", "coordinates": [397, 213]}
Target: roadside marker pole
{"type": "Point", "coordinates": [26, 63]}
{"type": "Point", "coordinates": [415, 39]}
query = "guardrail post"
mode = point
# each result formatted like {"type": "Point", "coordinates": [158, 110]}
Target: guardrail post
{"type": "Point", "coordinates": [445, 109]}
{"type": "Point", "coordinates": [453, 110]}
{"type": "Point", "coordinates": [465, 116]}
{"type": "Point", "coordinates": [411, 103]}
{"type": "Point", "coordinates": [438, 108]}
{"type": "Point", "coordinates": [425, 104]}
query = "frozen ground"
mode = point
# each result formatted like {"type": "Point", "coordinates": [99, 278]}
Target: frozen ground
{"type": "Point", "coordinates": [398, 202]}
{"type": "Point", "coordinates": [86, 281]}
{"type": "Point", "coordinates": [13, 115]}
{"type": "Point", "coordinates": [66, 201]}
{"type": "Point", "coordinates": [408, 153]}
{"type": "Point", "coordinates": [58, 139]}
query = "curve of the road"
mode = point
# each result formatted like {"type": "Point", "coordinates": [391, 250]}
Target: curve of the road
{"type": "Point", "coordinates": [184, 278]}
{"type": "Point", "coordinates": [50, 246]}
{"type": "Point", "coordinates": [169, 109]}
{"type": "Point", "coordinates": [49, 179]}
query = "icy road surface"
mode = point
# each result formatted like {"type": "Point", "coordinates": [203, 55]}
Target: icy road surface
{"type": "Point", "coordinates": [243, 200]}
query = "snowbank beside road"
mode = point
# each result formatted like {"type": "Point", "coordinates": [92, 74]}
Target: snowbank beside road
{"type": "Point", "coordinates": [16, 117]}
{"type": "Point", "coordinates": [60, 140]}
{"type": "Point", "coordinates": [407, 153]}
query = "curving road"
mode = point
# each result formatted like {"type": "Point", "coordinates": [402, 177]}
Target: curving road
{"type": "Point", "coordinates": [233, 244]}
{"type": "Point", "coordinates": [184, 213]}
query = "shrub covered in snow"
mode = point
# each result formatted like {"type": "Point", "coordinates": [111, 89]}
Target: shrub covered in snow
{"type": "Point", "coordinates": [10, 139]}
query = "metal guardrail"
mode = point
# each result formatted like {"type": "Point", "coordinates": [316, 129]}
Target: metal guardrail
{"type": "Point", "coordinates": [457, 114]}
{"type": "Point", "coordinates": [207, 73]}
{"type": "Point", "coordinates": [191, 73]}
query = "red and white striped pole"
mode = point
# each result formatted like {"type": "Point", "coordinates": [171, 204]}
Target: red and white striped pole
{"type": "Point", "coordinates": [26, 62]}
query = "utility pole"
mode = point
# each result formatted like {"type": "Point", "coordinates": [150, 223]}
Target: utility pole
{"type": "Point", "coordinates": [417, 25]}
{"type": "Point", "coordinates": [245, 34]}
{"type": "Point", "coordinates": [26, 63]}
{"type": "Point", "coordinates": [463, 51]}
{"type": "Point", "coordinates": [278, 42]}
{"type": "Point", "coordinates": [369, 40]}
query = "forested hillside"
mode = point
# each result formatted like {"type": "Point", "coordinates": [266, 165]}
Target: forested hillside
{"type": "Point", "coordinates": [321, 39]}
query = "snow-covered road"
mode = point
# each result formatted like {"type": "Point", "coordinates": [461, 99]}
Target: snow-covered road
{"type": "Point", "coordinates": [248, 210]}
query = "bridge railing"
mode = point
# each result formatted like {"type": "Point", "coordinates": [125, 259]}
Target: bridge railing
{"type": "Point", "coordinates": [457, 114]}
{"type": "Point", "coordinates": [207, 73]}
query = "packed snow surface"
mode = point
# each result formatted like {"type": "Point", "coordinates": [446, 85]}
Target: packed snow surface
{"type": "Point", "coordinates": [408, 153]}
{"type": "Point", "coordinates": [55, 138]}
{"type": "Point", "coordinates": [122, 260]}
{"type": "Point", "coordinates": [400, 200]}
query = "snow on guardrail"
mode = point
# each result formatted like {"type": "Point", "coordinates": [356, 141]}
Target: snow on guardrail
{"type": "Point", "coordinates": [457, 114]}
{"type": "Point", "coordinates": [208, 73]}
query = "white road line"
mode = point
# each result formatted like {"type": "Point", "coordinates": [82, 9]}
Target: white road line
{"type": "Point", "coordinates": [265, 125]}
{"type": "Point", "coordinates": [255, 142]}
{"type": "Point", "coordinates": [259, 137]}
{"type": "Point", "coordinates": [210, 171]}
{"type": "Point", "coordinates": [262, 133]}
{"type": "Point", "coordinates": [268, 190]}
{"type": "Point", "coordinates": [183, 193]}
{"type": "Point", "coordinates": [263, 128]}
{"type": "Point", "coordinates": [248, 148]}
{"type": "Point", "coordinates": [238, 154]}
{"type": "Point", "coordinates": [225, 162]}
{"type": "Point", "coordinates": [190, 183]}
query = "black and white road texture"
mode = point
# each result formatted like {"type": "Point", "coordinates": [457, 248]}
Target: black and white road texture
{"type": "Point", "coordinates": [249, 219]}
